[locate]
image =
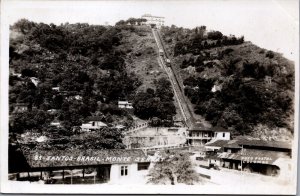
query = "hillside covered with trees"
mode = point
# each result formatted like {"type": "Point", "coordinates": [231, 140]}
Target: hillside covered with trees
{"type": "Point", "coordinates": [69, 72]}
{"type": "Point", "coordinates": [66, 73]}
{"type": "Point", "coordinates": [233, 83]}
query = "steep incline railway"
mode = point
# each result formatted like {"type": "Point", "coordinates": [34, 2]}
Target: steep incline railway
{"type": "Point", "coordinates": [163, 58]}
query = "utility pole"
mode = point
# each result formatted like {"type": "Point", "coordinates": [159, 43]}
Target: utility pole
{"type": "Point", "coordinates": [95, 175]}
{"type": "Point", "coordinates": [71, 176]}
{"type": "Point", "coordinates": [242, 160]}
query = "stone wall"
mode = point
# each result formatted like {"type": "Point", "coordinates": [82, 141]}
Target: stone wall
{"type": "Point", "coordinates": [156, 136]}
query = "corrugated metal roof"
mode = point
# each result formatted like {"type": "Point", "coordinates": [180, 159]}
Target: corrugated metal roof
{"type": "Point", "coordinates": [232, 144]}
{"type": "Point", "coordinates": [245, 141]}
{"type": "Point", "coordinates": [218, 143]}
{"type": "Point", "coordinates": [219, 129]}
{"type": "Point", "coordinates": [262, 143]}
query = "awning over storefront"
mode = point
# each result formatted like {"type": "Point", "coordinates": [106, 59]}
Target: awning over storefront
{"type": "Point", "coordinates": [233, 156]}
{"type": "Point", "coordinates": [255, 156]}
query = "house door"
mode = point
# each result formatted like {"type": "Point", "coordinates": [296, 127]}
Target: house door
{"type": "Point", "coordinates": [103, 173]}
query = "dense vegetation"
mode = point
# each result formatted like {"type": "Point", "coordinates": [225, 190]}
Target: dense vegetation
{"type": "Point", "coordinates": [195, 40]}
{"type": "Point", "coordinates": [68, 72]}
{"type": "Point", "coordinates": [82, 60]}
{"type": "Point", "coordinates": [158, 103]}
{"type": "Point", "coordinates": [81, 70]}
{"type": "Point", "coordinates": [75, 70]}
{"type": "Point", "coordinates": [231, 83]}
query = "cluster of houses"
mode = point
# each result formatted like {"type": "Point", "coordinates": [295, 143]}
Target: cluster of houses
{"type": "Point", "coordinates": [91, 123]}
{"type": "Point", "coordinates": [212, 148]}
{"type": "Point", "coordinates": [249, 155]}
{"type": "Point", "coordinates": [242, 153]}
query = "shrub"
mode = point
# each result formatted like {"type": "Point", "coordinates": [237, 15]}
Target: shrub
{"type": "Point", "coordinates": [270, 54]}
{"type": "Point", "coordinates": [215, 35]}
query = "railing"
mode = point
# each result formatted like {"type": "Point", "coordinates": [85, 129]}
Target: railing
{"type": "Point", "coordinates": [137, 127]}
{"type": "Point", "coordinates": [165, 147]}
{"type": "Point", "coordinates": [146, 124]}
{"type": "Point", "coordinates": [199, 137]}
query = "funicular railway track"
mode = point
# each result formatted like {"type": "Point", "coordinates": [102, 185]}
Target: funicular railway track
{"type": "Point", "coordinates": [178, 91]}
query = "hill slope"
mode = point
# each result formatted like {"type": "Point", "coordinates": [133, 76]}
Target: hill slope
{"type": "Point", "coordinates": [82, 70]}
{"type": "Point", "coordinates": [233, 83]}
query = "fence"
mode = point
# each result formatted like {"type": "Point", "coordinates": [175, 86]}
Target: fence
{"type": "Point", "coordinates": [137, 127]}
{"type": "Point", "coordinates": [166, 147]}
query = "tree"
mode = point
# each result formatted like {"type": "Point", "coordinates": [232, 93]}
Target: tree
{"type": "Point", "coordinates": [104, 138]}
{"type": "Point", "coordinates": [270, 54]}
{"type": "Point", "coordinates": [23, 25]}
{"type": "Point", "coordinates": [215, 35]}
{"type": "Point", "coordinates": [157, 103]}
{"type": "Point", "coordinates": [28, 73]}
{"type": "Point", "coordinates": [121, 22]}
{"type": "Point", "coordinates": [173, 168]}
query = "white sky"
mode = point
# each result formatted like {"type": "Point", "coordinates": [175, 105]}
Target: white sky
{"type": "Point", "coordinates": [269, 24]}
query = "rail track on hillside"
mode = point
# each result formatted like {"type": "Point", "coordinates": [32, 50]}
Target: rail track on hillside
{"type": "Point", "coordinates": [178, 91]}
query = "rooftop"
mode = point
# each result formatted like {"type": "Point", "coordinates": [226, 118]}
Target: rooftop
{"type": "Point", "coordinates": [247, 141]}
{"type": "Point", "coordinates": [149, 15]}
{"type": "Point", "coordinates": [124, 102]}
{"type": "Point", "coordinates": [218, 143]}
{"type": "Point", "coordinates": [219, 129]}
{"type": "Point", "coordinates": [93, 118]}
{"type": "Point", "coordinates": [252, 155]}
{"type": "Point", "coordinates": [198, 126]}
{"type": "Point", "coordinates": [77, 157]}
{"type": "Point", "coordinates": [262, 143]}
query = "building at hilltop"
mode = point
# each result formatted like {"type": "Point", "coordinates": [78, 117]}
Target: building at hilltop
{"type": "Point", "coordinates": [153, 21]}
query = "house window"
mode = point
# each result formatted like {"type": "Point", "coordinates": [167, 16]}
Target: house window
{"type": "Point", "coordinates": [143, 166]}
{"type": "Point", "coordinates": [199, 158]}
{"type": "Point", "coordinates": [223, 134]}
{"type": "Point", "coordinates": [93, 123]}
{"type": "Point", "coordinates": [124, 170]}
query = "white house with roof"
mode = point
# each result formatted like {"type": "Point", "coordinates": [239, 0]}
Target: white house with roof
{"type": "Point", "coordinates": [221, 133]}
{"type": "Point", "coordinates": [125, 104]}
{"type": "Point", "coordinates": [199, 136]}
{"type": "Point", "coordinates": [92, 123]}
{"type": "Point", "coordinates": [56, 88]}
{"type": "Point", "coordinates": [21, 107]}
{"type": "Point", "coordinates": [55, 123]}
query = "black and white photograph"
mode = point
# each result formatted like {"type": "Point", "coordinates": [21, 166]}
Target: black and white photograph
{"type": "Point", "coordinates": [126, 96]}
